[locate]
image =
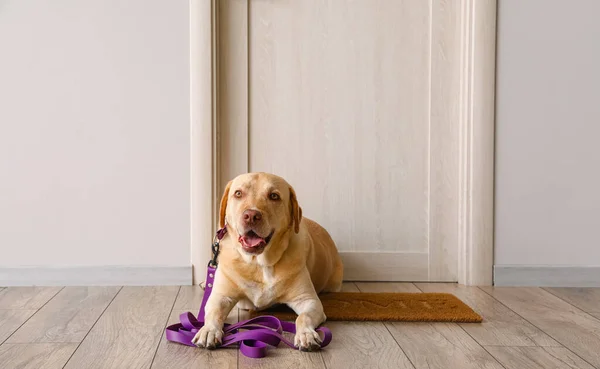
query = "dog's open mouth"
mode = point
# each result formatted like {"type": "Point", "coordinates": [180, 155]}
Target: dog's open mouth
{"type": "Point", "coordinates": [253, 243]}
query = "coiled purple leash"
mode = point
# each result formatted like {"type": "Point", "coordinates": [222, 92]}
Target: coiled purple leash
{"type": "Point", "coordinates": [253, 335]}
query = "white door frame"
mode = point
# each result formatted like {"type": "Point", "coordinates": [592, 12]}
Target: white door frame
{"type": "Point", "coordinates": [477, 20]}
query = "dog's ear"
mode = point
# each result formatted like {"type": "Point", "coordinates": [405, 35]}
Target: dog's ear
{"type": "Point", "coordinates": [296, 210]}
{"type": "Point", "coordinates": [224, 205]}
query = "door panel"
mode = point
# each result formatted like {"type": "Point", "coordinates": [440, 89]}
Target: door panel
{"type": "Point", "coordinates": [339, 105]}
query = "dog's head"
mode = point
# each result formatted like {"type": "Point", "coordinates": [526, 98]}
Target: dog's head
{"type": "Point", "coordinates": [261, 209]}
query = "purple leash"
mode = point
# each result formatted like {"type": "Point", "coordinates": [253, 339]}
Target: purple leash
{"type": "Point", "coordinates": [253, 335]}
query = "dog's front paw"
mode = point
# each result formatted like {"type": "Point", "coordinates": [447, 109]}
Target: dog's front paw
{"type": "Point", "coordinates": [307, 340]}
{"type": "Point", "coordinates": [209, 337]}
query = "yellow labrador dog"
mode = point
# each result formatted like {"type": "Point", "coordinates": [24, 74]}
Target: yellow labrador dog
{"type": "Point", "coordinates": [270, 255]}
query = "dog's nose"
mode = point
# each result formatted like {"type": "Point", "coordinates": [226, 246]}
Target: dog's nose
{"type": "Point", "coordinates": [252, 216]}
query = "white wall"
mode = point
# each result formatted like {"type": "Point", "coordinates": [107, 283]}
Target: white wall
{"type": "Point", "coordinates": [548, 133]}
{"type": "Point", "coordinates": [94, 133]}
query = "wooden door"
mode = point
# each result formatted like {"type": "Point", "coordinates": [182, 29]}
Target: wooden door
{"type": "Point", "coordinates": [360, 106]}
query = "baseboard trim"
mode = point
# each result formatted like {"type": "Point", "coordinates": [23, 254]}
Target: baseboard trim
{"type": "Point", "coordinates": [385, 266]}
{"type": "Point", "coordinates": [546, 276]}
{"type": "Point", "coordinates": [96, 276]}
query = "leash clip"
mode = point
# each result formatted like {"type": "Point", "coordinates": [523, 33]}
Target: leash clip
{"type": "Point", "coordinates": [215, 251]}
{"type": "Point", "coordinates": [215, 246]}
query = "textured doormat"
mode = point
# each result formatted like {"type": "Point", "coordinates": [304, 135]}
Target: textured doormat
{"type": "Point", "coordinates": [400, 307]}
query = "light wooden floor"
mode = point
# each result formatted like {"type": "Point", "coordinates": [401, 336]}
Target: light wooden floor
{"type": "Point", "coordinates": [113, 327]}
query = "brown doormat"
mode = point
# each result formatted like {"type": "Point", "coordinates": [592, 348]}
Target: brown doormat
{"type": "Point", "coordinates": [402, 307]}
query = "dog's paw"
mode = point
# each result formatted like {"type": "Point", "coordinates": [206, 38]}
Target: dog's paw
{"type": "Point", "coordinates": [307, 340]}
{"type": "Point", "coordinates": [209, 337]}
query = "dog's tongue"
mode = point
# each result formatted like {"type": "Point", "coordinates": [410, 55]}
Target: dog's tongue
{"type": "Point", "coordinates": [251, 239]}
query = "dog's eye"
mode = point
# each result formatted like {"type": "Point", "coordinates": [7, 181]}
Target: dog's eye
{"type": "Point", "coordinates": [274, 196]}
{"type": "Point", "coordinates": [238, 193]}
